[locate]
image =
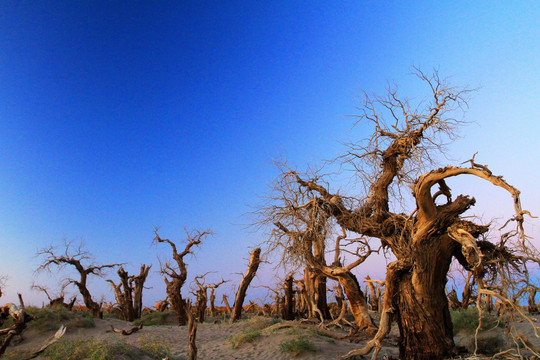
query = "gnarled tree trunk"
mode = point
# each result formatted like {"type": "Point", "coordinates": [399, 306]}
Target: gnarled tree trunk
{"type": "Point", "coordinates": [423, 314]}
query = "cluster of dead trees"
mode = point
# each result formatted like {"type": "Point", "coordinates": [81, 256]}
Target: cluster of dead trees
{"type": "Point", "coordinates": [325, 230]}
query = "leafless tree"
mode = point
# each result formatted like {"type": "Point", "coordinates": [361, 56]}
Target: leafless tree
{"type": "Point", "coordinates": [303, 230]}
{"type": "Point", "coordinates": [405, 141]}
{"type": "Point", "coordinates": [57, 300]}
{"type": "Point", "coordinates": [75, 257]}
{"type": "Point", "coordinates": [128, 292]}
{"type": "Point", "coordinates": [202, 295]}
{"type": "Point", "coordinates": [253, 265]}
{"type": "Point", "coordinates": [176, 275]}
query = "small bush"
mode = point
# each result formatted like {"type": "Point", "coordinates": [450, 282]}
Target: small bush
{"type": "Point", "coordinates": [260, 322]}
{"type": "Point", "coordinates": [155, 349]}
{"type": "Point", "coordinates": [240, 339]}
{"type": "Point", "coordinates": [297, 346]}
{"type": "Point", "coordinates": [156, 318]}
{"type": "Point", "coordinates": [466, 320]}
{"type": "Point", "coordinates": [89, 349]}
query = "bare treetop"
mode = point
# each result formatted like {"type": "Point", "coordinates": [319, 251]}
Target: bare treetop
{"type": "Point", "coordinates": [193, 239]}
{"type": "Point", "coordinates": [74, 256]}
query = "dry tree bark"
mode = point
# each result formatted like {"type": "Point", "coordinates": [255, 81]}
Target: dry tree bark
{"type": "Point", "coordinates": [175, 276]}
{"type": "Point", "coordinates": [75, 259]}
{"type": "Point", "coordinates": [254, 261]}
{"type": "Point", "coordinates": [424, 243]}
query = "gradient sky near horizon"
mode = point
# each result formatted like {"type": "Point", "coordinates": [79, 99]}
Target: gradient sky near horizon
{"type": "Point", "coordinates": [118, 116]}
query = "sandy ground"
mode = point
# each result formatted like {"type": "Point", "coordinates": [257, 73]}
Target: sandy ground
{"type": "Point", "coordinates": [213, 340]}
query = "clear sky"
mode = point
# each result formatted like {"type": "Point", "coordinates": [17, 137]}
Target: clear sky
{"type": "Point", "coordinates": [118, 116]}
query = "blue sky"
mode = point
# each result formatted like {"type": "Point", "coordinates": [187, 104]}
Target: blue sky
{"type": "Point", "coordinates": [119, 116]}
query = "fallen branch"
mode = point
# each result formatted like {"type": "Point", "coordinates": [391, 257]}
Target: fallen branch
{"type": "Point", "coordinates": [49, 342]}
{"type": "Point", "coordinates": [127, 332]}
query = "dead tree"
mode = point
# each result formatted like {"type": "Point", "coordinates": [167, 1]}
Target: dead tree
{"type": "Point", "coordinates": [254, 261]}
{"type": "Point", "coordinates": [127, 332]}
{"type": "Point", "coordinates": [75, 258]}
{"type": "Point", "coordinates": [404, 141]}
{"type": "Point", "coordinates": [226, 302]}
{"type": "Point", "coordinates": [202, 295]}
{"type": "Point", "coordinates": [57, 300]}
{"type": "Point", "coordinates": [128, 292]}
{"type": "Point", "coordinates": [308, 224]}
{"type": "Point", "coordinates": [374, 297]}
{"type": "Point", "coordinates": [175, 275]}
{"type": "Point", "coordinates": [192, 331]}
{"type": "Point", "coordinates": [531, 289]}
{"type": "Point", "coordinates": [137, 284]}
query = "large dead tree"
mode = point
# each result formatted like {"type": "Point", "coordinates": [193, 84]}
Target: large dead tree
{"type": "Point", "coordinates": [176, 275]}
{"type": "Point", "coordinates": [254, 261]}
{"type": "Point", "coordinates": [75, 258]}
{"type": "Point", "coordinates": [404, 142]}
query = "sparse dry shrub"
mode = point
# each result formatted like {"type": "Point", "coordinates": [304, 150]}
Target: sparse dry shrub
{"type": "Point", "coordinates": [240, 339]}
{"type": "Point", "coordinates": [260, 322]}
{"type": "Point", "coordinates": [466, 320]}
{"type": "Point", "coordinates": [297, 346]}
{"type": "Point", "coordinates": [167, 317]}
{"type": "Point", "coordinates": [89, 349]}
{"type": "Point", "coordinates": [154, 348]}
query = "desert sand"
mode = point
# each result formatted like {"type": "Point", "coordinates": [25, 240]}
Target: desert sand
{"type": "Point", "coordinates": [213, 340]}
